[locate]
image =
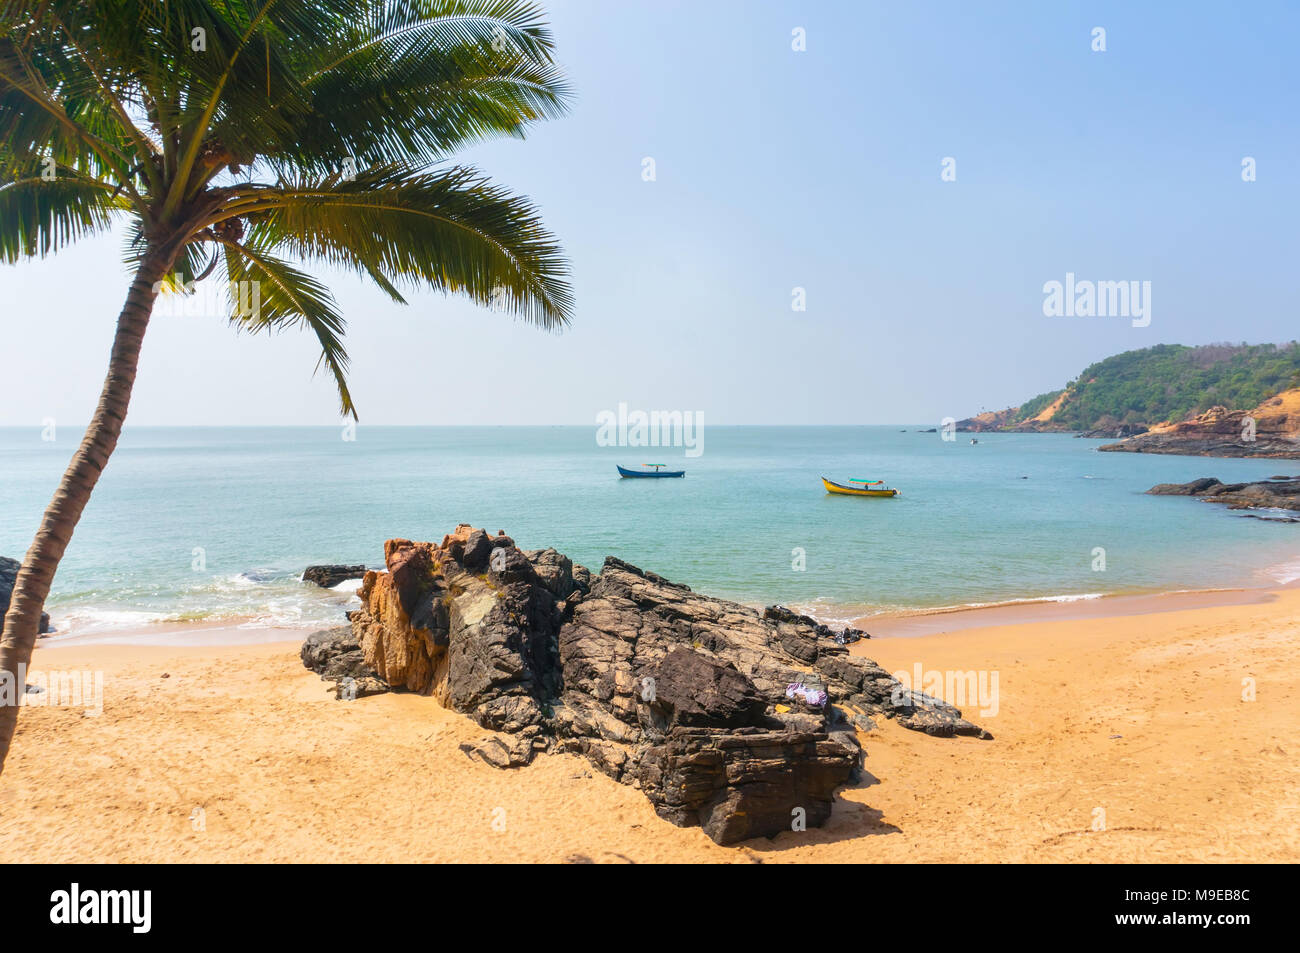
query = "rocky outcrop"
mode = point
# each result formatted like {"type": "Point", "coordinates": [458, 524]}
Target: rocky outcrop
{"type": "Point", "coordinates": [8, 576]}
{"type": "Point", "coordinates": [989, 421]}
{"type": "Point", "coordinates": [689, 698]}
{"type": "Point", "coordinates": [1273, 494]}
{"type": "Point", "coordinates": [336, 656]}
{"type": "Point", "coordinates": [1015, 420]}
{"type": "Point", "coordinates": [1270, 430]}
{"type": "Point", "coordinates": [329, 576]}
{"type": "Point", "coordinates": [845, 636]}
{"type": "Point", "coordinates": [1114, 432]}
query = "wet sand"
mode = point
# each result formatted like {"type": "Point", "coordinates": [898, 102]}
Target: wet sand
{"type": "Point", "coordinates": [977, 617]}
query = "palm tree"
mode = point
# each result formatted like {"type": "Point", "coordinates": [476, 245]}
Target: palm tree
{"type": "Point", "coordinates": [245, 134]}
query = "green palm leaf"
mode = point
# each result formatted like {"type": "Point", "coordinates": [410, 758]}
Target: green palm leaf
{"type": "Point", "coordinates": [269, 294]}
{"type": "Point", "coordinates": [200, 116]}
{"type": "Point", "coordinates": [47, 208]}
{"type": "Point", "coordinates": [452, 231]}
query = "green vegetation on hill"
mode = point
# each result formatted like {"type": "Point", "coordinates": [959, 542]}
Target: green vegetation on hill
{"type": "Point", "coordinates": [1169, 382]}
{"type": "Point", "coordinates": [1035, 406]}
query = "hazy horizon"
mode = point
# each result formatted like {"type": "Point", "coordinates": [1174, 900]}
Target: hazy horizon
{"type": "Point", "coordinates": [559, 423]}
{"type": "Point", "coordinates": [779, 169]}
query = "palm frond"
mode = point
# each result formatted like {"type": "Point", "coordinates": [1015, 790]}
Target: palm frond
{"type": "Point", "coordinates": [230, 123]}
{"type": "Point", "coordinates": [41, 215]}
{"type": "Point", "coordinates": [451, 230]}
{"type": "Point", "coordinates": [425, 77]}
{"type": "Point", "coordinates": [268, 294]}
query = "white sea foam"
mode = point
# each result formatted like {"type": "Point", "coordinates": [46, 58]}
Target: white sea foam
{"type": "Point", "coordinates": [259, 598]}
{"type": "Point", "coordinates": [840, 615]}
{"type": "Point", "coordinates": [1028, 600]}
{"type": "Point", "coordinates": [277, 617]}
{"type": "Point", "coordinates": [1274, 513]}
{"type": "Point", "coordinates": [248, 579]}
{"type": "Point", "coordinates": [1285, 573]}
{"type": "Point", "coordinates": [88, 619]}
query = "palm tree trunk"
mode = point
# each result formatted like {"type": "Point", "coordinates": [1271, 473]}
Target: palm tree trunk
{"type": "Point", "coordinates": [31, 587]}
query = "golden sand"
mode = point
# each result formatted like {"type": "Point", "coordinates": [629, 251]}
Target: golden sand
{"type": "Point", "coordinates": [1117, 739]}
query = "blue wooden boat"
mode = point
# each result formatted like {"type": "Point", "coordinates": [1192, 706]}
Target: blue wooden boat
{"type": "Point", "coordinates": [658, 471]}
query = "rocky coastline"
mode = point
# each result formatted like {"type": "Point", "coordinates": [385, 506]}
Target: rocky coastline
{"type": "Point", "coordinates": [1277, 493]}
{"type": "Point", "coordinates": [742, 722]}
{"type": "Point", "coordinates": [330, 575]}
{"type": "Point", "coordinates": [1120, 432]}
{"type": "Point", "coordinates": [1271, 430]}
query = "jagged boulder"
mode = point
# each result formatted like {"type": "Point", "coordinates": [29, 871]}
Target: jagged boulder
{"type": "Point", "coordinates": [848, 634]}
{"type": "Point", "coordinates": [505, 751]}
{"type": "Point", "coordinates": [1270, 430]}
{"type": "Point", "coordinates": [1194, 488]}
{"type": "Point", "coordinates": [336, 656]}
{"type": "Point", "coordinates": [329, 576]}
{"type": "Point", "coordinates": [1275, 493]}
{"type": "Point", "coordinates": [693, 690]}
{"type": "Point", "coordinates": [682, 695]}
{"type": "Point", "coordinates": [746, 783]}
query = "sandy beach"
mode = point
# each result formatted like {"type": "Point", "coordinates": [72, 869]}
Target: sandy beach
{"type": "Point", "coordinates": [206, 753]}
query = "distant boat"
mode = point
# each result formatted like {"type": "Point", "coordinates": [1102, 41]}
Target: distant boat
{"type": "Point", "coordinates": [658, 471]}
{"type": "Point", "coordinates": [865, 488]}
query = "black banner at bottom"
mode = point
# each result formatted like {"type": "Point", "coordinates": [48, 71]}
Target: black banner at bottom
{"type": "Point", "coordinates": [142, 903]}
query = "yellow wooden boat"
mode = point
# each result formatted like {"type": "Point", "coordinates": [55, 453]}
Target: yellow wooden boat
{"type": "Point", "coordinates": [867, 488]}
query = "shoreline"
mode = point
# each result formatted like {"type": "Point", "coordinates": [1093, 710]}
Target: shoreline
{"type": "Point", "coordinates": [909, 624]}
{"type": "Point", "coordinates": [905, 623]}
{"type": "Point", "coordinates": [237, 753]}
{"type": "Point", "coordinates": [183, 635]}
{"type": "Point", "coordinates": [1030, 611]}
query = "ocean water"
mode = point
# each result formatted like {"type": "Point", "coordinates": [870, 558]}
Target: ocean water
{"type": "Point", "coordinates": [215, 525]}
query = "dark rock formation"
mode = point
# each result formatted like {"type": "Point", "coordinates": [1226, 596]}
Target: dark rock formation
{"type": "Point", "coordinates": [329, 576]}
{"type": "Point", "coordinates": [1121, 432]}
{"type": "Point", "coordinates": [694, 690]}
{"type": "Point", "coordinates": [1270, 430]}
{"type": "Point", "coordinates": [679, 694]}
{"type": "Point", "coordinates": [989, 420]}
{"type": "Point", "coordinates": [8, 576]}
{"type": "Point", "coordinates": [1195, 488]}
{"type": "Point", "coordinates": [846, 636]}
{"type": "Point", "coordinates": [746, 783]}
{"type": "Point", "coordinates": [336, 656]}
{"type": "Point", "coordinates": [1268, 494]}
{"type": "Point", "coordinates": [506, 751]}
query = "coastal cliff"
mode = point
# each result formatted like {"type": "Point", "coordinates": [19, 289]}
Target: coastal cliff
{"type": "Point", "coordinates": [1271, 429]}
{"type": "Point", "coordinates": [1127, 394]}
{"type": "Point", "coordinates": [725, 717]}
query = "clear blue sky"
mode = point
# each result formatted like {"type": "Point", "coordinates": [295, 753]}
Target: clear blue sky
{"type": "Point", "coordinates": [778, 169]}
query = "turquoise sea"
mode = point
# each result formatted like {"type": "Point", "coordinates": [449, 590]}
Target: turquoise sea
{"type": "Point", "coordinates": [216, 524]}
